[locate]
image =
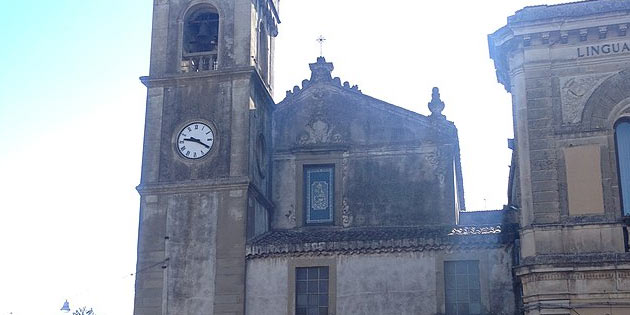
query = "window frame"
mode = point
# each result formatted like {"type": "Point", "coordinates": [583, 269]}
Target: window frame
{"type": "Point", "coordinates": [480, 256]}
{"type": "Point", "coordinates": [305, 262]}
{"type": "Point", "coordinates": [183, 18]}
{"type": "Point", "coordinates": [306, 207]}
{"type": "Point", "coordinates": [456, 265]}
{"type": "Point", "coordinates": [302, 161]}
{"type": "Point", "coordinates": [263, 51]}
{"type": "Point", "coordinates": [618, 122]}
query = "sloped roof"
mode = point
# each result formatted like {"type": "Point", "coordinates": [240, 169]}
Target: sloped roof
{"type": "Point", "coordinates": [314, 241]}
{"type": "Point", "coordinates": [571, 9]}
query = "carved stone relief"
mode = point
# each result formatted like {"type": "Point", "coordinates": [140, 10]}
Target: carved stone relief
{"type": "Point", "coordinates": [318, 131]}
{"type": "Point", "coordinates": [433, 158]}
{"type": "Point", "coordinates": [346, 216]}
{"type": "Point", "coordinates": [575, 91]}
{"type": "Point", "coordinates": [290, 215]}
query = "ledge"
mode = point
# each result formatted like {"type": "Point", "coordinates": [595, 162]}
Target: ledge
{"type": "Point", "coordinates": [240, 182]}
{"type": "Point", "coordinates": [573, 260]}
{"type": "Point", "coordinates": [327, 241]}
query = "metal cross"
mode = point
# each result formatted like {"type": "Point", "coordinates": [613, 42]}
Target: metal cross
{"type": "Point", "coordinates": [321, 40]}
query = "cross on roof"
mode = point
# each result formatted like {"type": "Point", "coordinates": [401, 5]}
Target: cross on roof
{"type": "Point", "coordinates": [321, 40]}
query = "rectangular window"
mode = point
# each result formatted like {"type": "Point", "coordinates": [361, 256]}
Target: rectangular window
{"type": "Point", "coordinates": [462, 288]}
{"type": "Point", "coordinates": [622, 141]}
{"type": "Point", "coordinates": [311, 291]}
{"type": "Point", "coordinates": [319, 198]}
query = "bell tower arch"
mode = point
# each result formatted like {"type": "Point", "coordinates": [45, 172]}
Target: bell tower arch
{"type": "Point", "coordinates": [205, 181]}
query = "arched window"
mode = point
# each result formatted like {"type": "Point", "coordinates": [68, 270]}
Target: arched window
{"type": "Point", "coordinates": [263, 51]}
{"type": "Point", "coordinates": [201, 40]}
{"type": "Point", "coordinates": [622, 142]}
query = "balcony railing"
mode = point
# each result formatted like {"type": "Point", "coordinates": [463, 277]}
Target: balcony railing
{"type": "Point", "coordinates": [198, 62]}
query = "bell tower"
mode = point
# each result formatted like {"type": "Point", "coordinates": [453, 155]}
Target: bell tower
{"type": "Point", "coordinates": [205, 183]}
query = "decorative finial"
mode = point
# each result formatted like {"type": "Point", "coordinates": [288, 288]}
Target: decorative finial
{"type": "Point", "coordinates": [436, 106]}
{"type": "Point", "coordinates": [321, 70]}
{"type": "Point", "coordinates": [321, 40]}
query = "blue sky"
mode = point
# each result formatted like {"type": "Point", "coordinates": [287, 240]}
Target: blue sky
{"type": "Point", "coordinates": [72, 119]}
{"type": "Point", "coordinates": [63, 59]}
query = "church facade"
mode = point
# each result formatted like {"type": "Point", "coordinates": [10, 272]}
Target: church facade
{"type": "Point", "coordinates": [334, 202]}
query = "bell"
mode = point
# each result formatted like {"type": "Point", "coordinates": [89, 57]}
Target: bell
{"type": "Point", "coordinates": [204, 32]}
{"type": "Point", "coordinates": [66, 307]}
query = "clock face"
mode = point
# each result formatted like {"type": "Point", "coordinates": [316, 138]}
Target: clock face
{"type": "Point", "coordinates": [195, 140]}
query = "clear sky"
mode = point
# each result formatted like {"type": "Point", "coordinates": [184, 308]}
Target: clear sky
{"type": "Point", "coordinates": [72, 115]}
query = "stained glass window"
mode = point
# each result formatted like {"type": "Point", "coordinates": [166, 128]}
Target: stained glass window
{"type": "Point", "coordinates": [319, 198]}
{"type": "Point", "coordinates": [311, 291]}
{"type": "Point", "coordinates": [622, 137]}
{"type": "Point", "coordinates": [462, 288]}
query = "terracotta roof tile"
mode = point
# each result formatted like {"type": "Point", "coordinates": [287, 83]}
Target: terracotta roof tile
{"type": "Point", "coordinates": [321, 241]}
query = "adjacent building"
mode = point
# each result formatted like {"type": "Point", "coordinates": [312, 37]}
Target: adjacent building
{"type": "Point", "coordinates": [568, 70]}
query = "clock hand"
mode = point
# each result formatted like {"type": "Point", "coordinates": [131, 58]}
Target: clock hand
{"type": "Point", "coordinates": [191, 139]}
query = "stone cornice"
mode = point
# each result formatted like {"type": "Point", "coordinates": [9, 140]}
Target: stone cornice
{"type": "Point", "coordinates": [572, 262]}
{"type": "Point", "coordinates": [195, 186]}
{"type": "Point", "coordinates": [169, 79]}
{"type": "Point", "coordinates": [515, 36]}
{"type": "Point", "coordinates": [598, 221]}
{"type": "Point", "coordinates": [243, 72]}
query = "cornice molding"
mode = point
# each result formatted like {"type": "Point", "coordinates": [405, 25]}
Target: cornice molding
{"type": "Point", "coordinates": [510, 38]}
{"type": "Point", "coordinates": [196, 186]}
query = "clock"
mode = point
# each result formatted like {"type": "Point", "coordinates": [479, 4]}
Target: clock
{"type": "Point", "coordinates": [195, 140]}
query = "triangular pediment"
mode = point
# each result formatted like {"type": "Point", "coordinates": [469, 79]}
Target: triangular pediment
{"type": "Point", "coordinates": [325, 111]}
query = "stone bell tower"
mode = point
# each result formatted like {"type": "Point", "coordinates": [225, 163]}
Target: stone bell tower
{"type": "Point", "coordinates": [205, 185]}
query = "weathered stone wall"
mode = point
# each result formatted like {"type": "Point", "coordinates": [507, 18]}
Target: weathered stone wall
{"type": "Point", "coordinates": [207, 99]}
{"type": "Point", "coordinates": [397, 283]}
{"type": "Point", "coordinates": [403, 284]}
{"type": "Point", "coordinates": [504, 216]}
{"type": "Point", "coordinates": [396, 166]}
{"type": "Point", "coordinates": [189, 249]}
{"type": "Point", "coordinates": [267, 287]}
{"type": "Point", "coordinates": [190, 227]}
